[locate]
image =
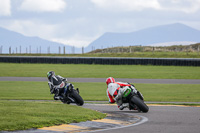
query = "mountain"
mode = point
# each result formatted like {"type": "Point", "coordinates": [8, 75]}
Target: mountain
{"type": "Point", "coordinates": [17, 41]}
{"type": "Point", "coordinates": [160, 34]}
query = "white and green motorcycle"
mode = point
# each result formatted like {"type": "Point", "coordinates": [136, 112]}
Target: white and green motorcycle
{"type": "Point", "coordinates": [135, 100]}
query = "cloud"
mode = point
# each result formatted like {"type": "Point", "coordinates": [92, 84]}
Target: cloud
{"type": "Point", "coordinates": [43, 5]}
{"type": "Point", "coordinates": [186, 6]}
{"type": "Point", "coordinates": [77, 42]}
{"type": "Point", "coordinates": [5, 8]}
{"type": "Point", "coordinates": [126, 5]}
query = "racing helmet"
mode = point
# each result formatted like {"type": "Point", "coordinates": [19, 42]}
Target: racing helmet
{"type": "Point", "coordinates": [110, 80]}
{"type": "Point", "coordinates": [50, 74]}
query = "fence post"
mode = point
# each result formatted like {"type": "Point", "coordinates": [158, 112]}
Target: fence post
{"type": "Point", "coordinates": [82, 50]}
{"type": "Point", "coordinates": [59, 49]}
{"type": "Point", "coordinates": [10, 50]}
{"type": "Point", "coordinates": [0, 50]}
{"type": "Point", "coordinates": [29, 49]}
{"type": "Point", "coordinates": [176, 50]}
{"type": "Point", "coordinates": [48, 50]}
{"type": "Point", "coordinates": [20, 49]}
{"type": "Point", "coordinates": [153, 50]}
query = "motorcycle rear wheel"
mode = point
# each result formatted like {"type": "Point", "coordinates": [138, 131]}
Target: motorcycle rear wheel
{"type": "Point", "coordinates": [78, 99]}
{"type": "Point", "coordinates": [140, 104]}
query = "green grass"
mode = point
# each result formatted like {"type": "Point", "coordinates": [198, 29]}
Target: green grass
{"type": "Point", "coordinates": [100, 71]}
{"type": "Point", "coordinates": [21, 115]}
{"type": "Point", "coordinates": [182, 104]}
{"type": "Point", "coordinates": [97, 91]}
{"type": "Point", "coordinates": [170, 92]}
{"type": "Point", "coordinates": [24, 90]}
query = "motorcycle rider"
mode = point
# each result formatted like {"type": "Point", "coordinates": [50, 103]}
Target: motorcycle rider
{"type": "Point", "coordinates": [56, 84]}
{"type": "Point", "coordinates": [116, 90]}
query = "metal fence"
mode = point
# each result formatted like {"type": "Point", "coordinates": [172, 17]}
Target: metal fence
{"type": "Point", "coordinates": [102, 60]}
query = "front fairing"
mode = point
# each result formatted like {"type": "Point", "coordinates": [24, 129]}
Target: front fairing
{"type": "Point", "coordinates": [68, 88]}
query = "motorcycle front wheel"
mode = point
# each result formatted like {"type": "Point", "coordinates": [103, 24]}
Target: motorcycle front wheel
{"type": "Point", "coordinates": [140, 104]}
{"type": "Point", "coordinates": [78, 99]}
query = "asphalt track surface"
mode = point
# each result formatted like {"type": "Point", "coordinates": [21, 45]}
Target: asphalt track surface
{"type": "Point", "coordinates": [147, 81]}
{"type": "Point", "coordinates": [159, 119]}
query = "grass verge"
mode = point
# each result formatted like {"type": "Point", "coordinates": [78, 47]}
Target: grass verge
{"type": "Point", "coordinates": [26, 90]}
{"type": "Point", "coordinates": [21, 115]}
{"type": "Point", "coordinates": [181, 104]}
{"type": "Point", "coordinates": [100, 71]}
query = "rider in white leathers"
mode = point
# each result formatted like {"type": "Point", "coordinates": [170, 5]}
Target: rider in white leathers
{"type": "Point", "coordinates": [116, 90]}
{"type": "Point", "coordinates": [56, 84]}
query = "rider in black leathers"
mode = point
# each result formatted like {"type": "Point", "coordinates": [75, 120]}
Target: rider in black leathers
{"type": "Point", "coordinates": [56, 84]}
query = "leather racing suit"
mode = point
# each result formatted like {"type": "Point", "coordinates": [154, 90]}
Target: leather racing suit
{"type": "Point", "coordinates": [115, 92]}
{"type": "Point", "coordinates": [56, 85]}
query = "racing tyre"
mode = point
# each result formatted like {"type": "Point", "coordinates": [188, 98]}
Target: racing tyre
{"type": "Point", "coordinates": [78, 99]}
{"type": "Point", "coordinates": [140, 104]}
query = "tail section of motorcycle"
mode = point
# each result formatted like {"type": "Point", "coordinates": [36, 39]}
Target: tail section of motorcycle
{"type": "Point", "coordinates": [71, 95]}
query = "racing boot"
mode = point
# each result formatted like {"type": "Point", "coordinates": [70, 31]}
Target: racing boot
{"type": "Point", "coordinates": [57, 97]}
{"type": "Point", "coordinates": [124, 105]}
{"type": "Point", "coordinates": [77, 90]}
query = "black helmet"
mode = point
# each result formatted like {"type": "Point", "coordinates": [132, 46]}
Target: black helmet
{"type": "Point", "coordinates": [50, 74]}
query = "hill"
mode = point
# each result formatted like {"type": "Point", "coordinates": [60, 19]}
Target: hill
{"type": "Point", "coordinates": [160, 34]}
{"type": "Point", "coordinates": [132, 49]}
{"type": "Point", "coordinates": [15, 43]}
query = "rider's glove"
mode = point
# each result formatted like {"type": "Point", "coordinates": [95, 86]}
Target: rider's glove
{"type": "Point", "coordinates": [64, 79]}
{"type": "Point", "coordinates": [52, 90]}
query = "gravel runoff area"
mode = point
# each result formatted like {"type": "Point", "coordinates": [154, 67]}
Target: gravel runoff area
{"type": "Point", "coordinates": [146, 81]}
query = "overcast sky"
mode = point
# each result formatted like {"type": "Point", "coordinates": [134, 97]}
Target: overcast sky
{"type": "Point", "coordinates": [79, 22]}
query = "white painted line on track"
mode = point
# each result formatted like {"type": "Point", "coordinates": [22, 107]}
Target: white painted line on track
{"type": "Point", "coordinates": [144, 119]}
